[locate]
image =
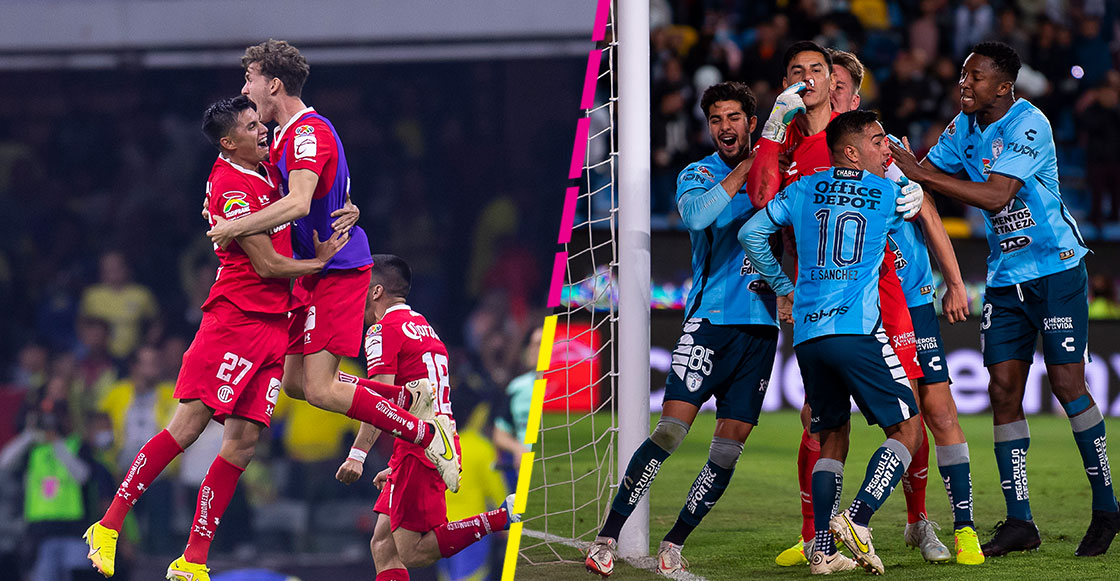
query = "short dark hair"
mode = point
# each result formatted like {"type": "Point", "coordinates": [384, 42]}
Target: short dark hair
{"type": "Point", "coordinates": [279, 60]}
{"type": "Point", "coordinates": [728, 91]}
{"type": "Point", "coordinates": [220, 118]}
{"type": "Point", "coordinates": [804, 46]}
{"type": "Point", "coordinates": [393, 273]}
{"type": "Point", "coordinates": [846, 125]}
{"type": "Point", "coordinates": [1005, 59]}
{"type": "Point", "coordinates": [849, 62]}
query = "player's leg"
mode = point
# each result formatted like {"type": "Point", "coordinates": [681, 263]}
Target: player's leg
{"type": "Point", "coordinates": [292, 381]}
{"type": "Point", "coordinates": [740, 373]}
{"type": "Point", "coordinates": [189, 420]}
{"type": "Point", "coordinates": [1007, 339]}
{"type": "Point", "coordinates": [831, 413]}
{"type": "Point", "coordinates": [239, 442]}
{"type": "Point", "coordinates": [877, 381]}
{"type": "Point", "coordinates": [808, 452]}
{"type": "Point", "coordinates": [383, 547]}
{"type": "Point", "coordinates": [1064, 313]}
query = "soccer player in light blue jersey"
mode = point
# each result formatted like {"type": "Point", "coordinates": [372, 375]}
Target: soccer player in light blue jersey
{"type": "Point", "coordinates": [1037, 282]}
{"type": "Point", "coordinates": [726, 349]}
{"type": "Point", "coordinates": [841, 218]}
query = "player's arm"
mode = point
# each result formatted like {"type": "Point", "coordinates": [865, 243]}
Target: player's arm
{"type": "Point", "coordinates": [764, 178]}
{"type": "Point", "coordinates": [754, 236]}
{"type": "Point", "coordinates": [270, 264]}
{"type": "Point", "coordinates": [351, 469]}
{"type": "Point", "coordinates": [955, 303]}
{"type": "Point", "coordinates": [991, 195]}
{"type": "Point", "coordinates": [295, 205]}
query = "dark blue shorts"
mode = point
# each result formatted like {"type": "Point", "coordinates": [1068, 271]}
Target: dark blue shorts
{"type": "Point", "coordinates": [730, 362]}
{"type": "Point", "coordinates": [931, 349]}
{"type": "Point", "coordinates": [1055, 305]}
{"type": "Point", "coordinates": [862, 367]}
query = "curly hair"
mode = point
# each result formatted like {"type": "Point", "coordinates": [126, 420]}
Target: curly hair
{"type": "Point", "coordinates": [728, 91]}
{"type": "Point", "coordinates": [279, 60]}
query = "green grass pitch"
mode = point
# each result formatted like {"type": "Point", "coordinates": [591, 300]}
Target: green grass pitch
{"type": "Point", "coordinates": [759, 515]}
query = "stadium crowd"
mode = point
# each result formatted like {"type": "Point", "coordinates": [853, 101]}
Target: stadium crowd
{"type": "Point", "coordinates": [105, 264]}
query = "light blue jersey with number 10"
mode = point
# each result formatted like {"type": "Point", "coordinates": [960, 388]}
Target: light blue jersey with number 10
{"type": "Point", "coordinates": [840, 218]}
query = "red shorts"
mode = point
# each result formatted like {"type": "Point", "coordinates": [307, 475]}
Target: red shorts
{"type": "Point", "coordinates": [332, 315]}
{"type": "Point", "coordinates": [235, 363]}
{"type": "Point", "coordinates": [414, 495]}
{"type": "Point", "coordinates": [896, 318]}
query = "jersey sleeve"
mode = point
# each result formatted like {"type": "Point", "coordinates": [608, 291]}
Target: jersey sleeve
{"type": "Point", "coordinates": [1029, 140]}
{"type": "Point", "coordinates": [700, 198]}
{"type": "Point", "coordinates": [754, 237]}
{"type": "Point", "coordinates": [945, 154]}
{"type": "Point", "coordinates": [311, 146]}
{"type": "Point", "coordinates": [383, 344]}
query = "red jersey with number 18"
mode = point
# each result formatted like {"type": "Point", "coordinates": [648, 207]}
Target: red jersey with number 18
{"type": "Point", "coordinates": [233, 192]}
{"type": "Point", "coordinates": [405, 345]}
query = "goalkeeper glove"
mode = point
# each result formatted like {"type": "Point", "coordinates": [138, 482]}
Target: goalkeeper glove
{"type": "Point", "coordinates": [909, 202]}
{"type": "Point", "coordinates": [786, 107]}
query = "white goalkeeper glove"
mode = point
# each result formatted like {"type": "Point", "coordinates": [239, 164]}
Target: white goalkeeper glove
{"type": "Point", "coordinates": [786, 107]}
{"type": "Point", "coordinates": [909, 202]}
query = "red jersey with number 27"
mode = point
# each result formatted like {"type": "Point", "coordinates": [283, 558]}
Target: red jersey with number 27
{"type": "Point", "coordinates": [403, 344]}
{"type": "Point", "coordinates": [233, 192]}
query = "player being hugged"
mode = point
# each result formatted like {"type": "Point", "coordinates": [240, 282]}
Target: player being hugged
{"type": "Point", "coordinates": [727, 345]}
{"type": "Point", "coordinates": [402, 347]}
{"type": "Point", "coordinates": [327, 322]}
{"type": "Point", "coordinates": [231, 372]}
{"type": "Point", "coordinates": [841, 218]}
{"type": "Point", "coordinates": [1037, 282]}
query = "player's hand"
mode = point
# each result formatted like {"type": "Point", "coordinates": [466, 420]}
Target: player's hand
{"type": "Point", "coordinates": [324, 251]}
{"type": "Point", "coordinates": [349, 472]}
{"type": "Point", "coordinates": [955, 303]}
{"type": "Point", "coordinates": [783, 162]}
{"type": "Point", "coordinates": [905, 160]}
{"type": "Point", "coordinates": [381, 478]}
{"type": "Point", "coordinates": [785, 308]}
{"type": "Point", "coordinates": [786, 107]}
{"type": "Point", "coordinates": [206, 209]}
{"type": "Point", "coordinates": [909, 202]}
{"type": "Point", "coordinates": [221, 233]}
{"type": "Point", "coordinates": [346, 217]}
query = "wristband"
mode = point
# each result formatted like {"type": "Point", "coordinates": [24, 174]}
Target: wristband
{"type": "Point", "coordinates": [357, 454]}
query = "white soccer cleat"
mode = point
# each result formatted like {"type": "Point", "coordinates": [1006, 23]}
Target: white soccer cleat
{"type": "Point", "coordinates": [601, 555]}
{"type": "Point", "coordinates": [511, 517]}
{"type": "Point", "coordinates": [858, 540]}
{"type": "Point", "coordinates": [922, 535]}
{"type": "Point", "coordinates": [442, 452]}
{"type": "Point", "coordinates": [423, 399]}
{"type": "Point", "coordinates": [669, 559]}
{"type": "Point", "coordinates": [822, 564]}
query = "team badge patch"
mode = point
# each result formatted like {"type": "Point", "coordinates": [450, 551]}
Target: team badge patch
{"type": "Point", "coordinates": [705, 172]}
{"type": "Point", "coordinates": [305, 130]}
{"type": "Point", "coordinates": [997, 148]}
{"type": "Point", "coordinates": [234, 205]}
{"type": "Point", "coordinates": [952, 128]}
{"type": "Point", "coordinates": [306, 146]}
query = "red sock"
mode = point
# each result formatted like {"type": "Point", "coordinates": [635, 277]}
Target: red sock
{"type": "Point", "coordinates": [149, 462]}
{"type": "Point", "coordinates": [914, 480]}
{"type": "Point", "coordinates": [807, 455]}
{"type": "Point", "coordinates": [213, 497]}
{"type": "Point", "coordinates": [393, 393]}
{"type": "Point", "coordinates": [392, 575]}
{"type": "Point", "coordinates": [456, 536]}
{"type": "Point", "coordinates": [381, 413]}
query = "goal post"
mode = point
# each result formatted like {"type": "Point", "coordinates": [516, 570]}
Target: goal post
{"type": "Point", "coordinates": [634, 253]}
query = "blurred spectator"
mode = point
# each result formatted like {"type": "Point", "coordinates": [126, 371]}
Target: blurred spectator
{"type": "Point", "coordinates": [128, 306]}
{"type": "Point", "coordinates": [520, 389]}
{"type": "Point", "coordinates": [1102, 298]}
{"type": "Point", "coordinates": [30, 373]}
{"type": "Point", "coordinates": [96, 370]}
{"type": "Point", "coordinates": [925, 32]}
{"type": "Point", "coordinates": [973, 23]}
{"type": "Point", "coordinates": [63, 487]}
{"type": "Point", "coordinates": [1010, 30]}
{"type": "Point", "coordinates": [1100, 135]}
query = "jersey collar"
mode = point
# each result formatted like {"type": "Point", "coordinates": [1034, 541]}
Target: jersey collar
{"type": "Point", "coordinates": [267, 180]}
{"type": "Point", "coordinates": [974, 126]}
{"type": "Point", "coordinates": [279, 131]}
{"type": "Point", "coordinates": [403, 307]}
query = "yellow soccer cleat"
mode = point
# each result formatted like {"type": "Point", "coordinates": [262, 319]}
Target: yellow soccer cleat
{"type": "Point", "coordinates": [794, 555]}
{"type": "Point", "coordinates": [968, 546]}
{"type": "Point", "coordinates": [102, 543]}
{"type": "Point", "coordinates": [183, 570]}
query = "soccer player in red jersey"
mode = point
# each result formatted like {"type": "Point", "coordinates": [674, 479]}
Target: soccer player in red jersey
{"type": "Point", "coordinates": [412, 528]}
{"type": "Point", "coordinates": [327, 323]}
{"type": "Point", "coordinates": [795, 129]}
{"type": "Point", "coordinates": [231, 372]}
